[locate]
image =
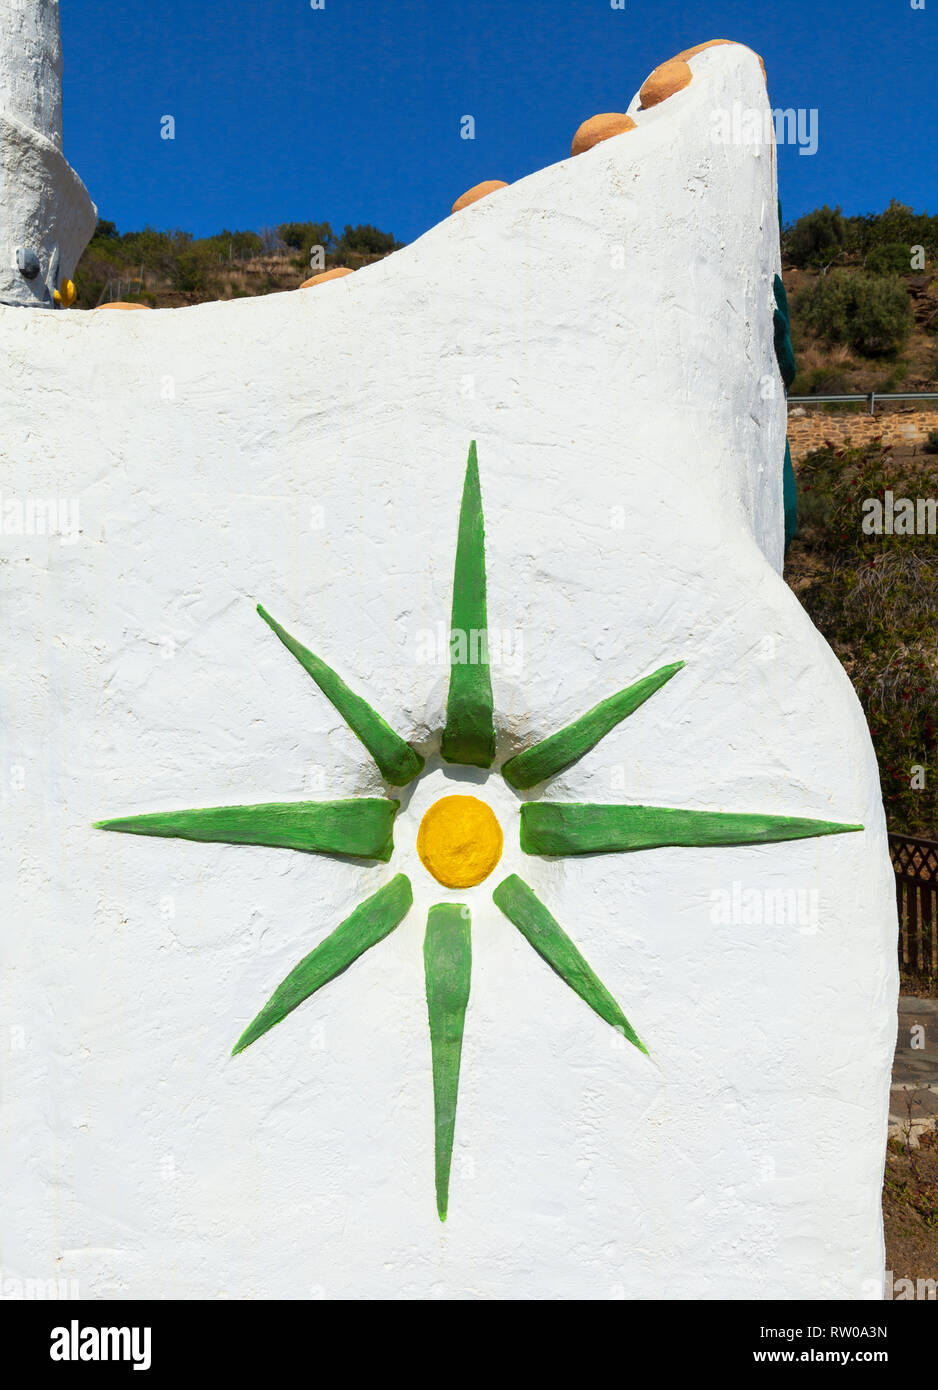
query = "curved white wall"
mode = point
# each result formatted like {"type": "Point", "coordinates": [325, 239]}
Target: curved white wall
{"type": "Point", "coordinates": [602, 328]}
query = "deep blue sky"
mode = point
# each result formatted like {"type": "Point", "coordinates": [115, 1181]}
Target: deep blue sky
{"type": "Point", "coordinates": [351, 113]}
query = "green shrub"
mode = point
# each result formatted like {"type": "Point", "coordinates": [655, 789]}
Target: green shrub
{"type": "Point", "coordinates": [152, 250]}
{"type": "Point", "coordinates": [241, 246]}
{"type": "Point", "coordinates": [821, 381]}
{"type": "Point", "coordinates": [931, 444]}
{"type": "Point", "coordinates": [882, 318]}
{"type": "Point", "coordinates": [900, 224]}
{"type": "Point", "coordinates": [815, 239]}
{"type": "Point", "coordinates": [192, 271]}
{"type": "Point", "coordinates": [365, 240]}
{"type": "Point", "coordinates": [824, 235]}
{"type": "Point", "coordinates": [891, 259]}
{"type": "Point", "coordinates": [303, 236]}
{"type": "Point", "coordinates": [90, 288]}
{"type": "Point", "coordinates": [896, 378]}
{"type": "Point", "coordinates": [870, 312]}
{"type": "Point", "coordinates": [825, 306]}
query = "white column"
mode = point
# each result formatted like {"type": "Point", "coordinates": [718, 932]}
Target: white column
{"type": "Point", "coordinates": [46, 214]}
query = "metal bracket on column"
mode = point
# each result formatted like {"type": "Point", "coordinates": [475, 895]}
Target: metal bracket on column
{"type": "Point", "coordinates": [29, 265]}
{"type": "Point", "coordinates": [27, 262]}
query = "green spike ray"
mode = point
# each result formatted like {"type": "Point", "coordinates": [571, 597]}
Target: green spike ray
{"type": "Point", "coordinates": [781, 319]}
{"type": "Point", "coordinates": [524, 908]}
{"type": "Point", "coordinates": [560, 828]}
{"type": "Point", "coordinates": [568, 745]}
{"type": "Point", "coordinates": [362, 826]}
{"type": "Point", "coordinates": [447, 957]}
{"type": "Point", "coordinates": [469, 735]}
{"type": "Point", "coordinates": [397, 762]}
{"type": "Point", "coordinates": [371, 922]}
{"type": "Point", "coordinates": [781, 298]}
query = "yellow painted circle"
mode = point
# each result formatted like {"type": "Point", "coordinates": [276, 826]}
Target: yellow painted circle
{"type": "Point", "coordinates": [459, 841]}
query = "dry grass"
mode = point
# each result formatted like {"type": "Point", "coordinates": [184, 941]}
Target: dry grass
{"type": "Point", "coordinates": [910, 1208]}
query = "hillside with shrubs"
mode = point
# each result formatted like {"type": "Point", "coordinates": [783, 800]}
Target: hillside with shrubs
{"type": "Point", "coordinates": [864, 298]}
{"type": "Point", "coordinates": [171, 269]}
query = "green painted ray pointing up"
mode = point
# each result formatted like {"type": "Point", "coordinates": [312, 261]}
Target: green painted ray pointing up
{"type": "Point", "coordinates": [397, 762]}
{"type": "Point", "coordinates": [569, 827]}
{"type": "Point", "coordinates": [371, 922]}
{"type": "Point", "coordinates": [567, 746]}
{"type": "Point", "coordinates": [469, 736]}
{"type": "Point", "coordinates": [361, 826]}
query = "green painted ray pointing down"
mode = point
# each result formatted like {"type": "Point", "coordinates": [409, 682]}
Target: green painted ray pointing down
{"type": "Point", "coordinates": [361, 826]}
{"type": "Point", "coordinates": [371, 922]}
{"type": "Point", "coordinates": [447, 958]}
{"type": "Point", "coordinates": [558, 828]}
{"type": "Point", "coordinates": [523, 907]}
{"type": "Point", "coordinates": [560, 750]}
{"type": "Point", "coordinates": [397, 762]}
{"type": "Point", "coordinates": [469, 735]}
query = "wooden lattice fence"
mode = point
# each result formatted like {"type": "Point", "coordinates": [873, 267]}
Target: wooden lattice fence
{"type": "Point", "coordinates": [915, 861]}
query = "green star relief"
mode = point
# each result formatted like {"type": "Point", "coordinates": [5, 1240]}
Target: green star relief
{"type": "Point", "coordinates": [362, 827]}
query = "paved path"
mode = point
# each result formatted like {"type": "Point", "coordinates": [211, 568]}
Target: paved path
{"type": "Point", "coordinates": [913, 1103]}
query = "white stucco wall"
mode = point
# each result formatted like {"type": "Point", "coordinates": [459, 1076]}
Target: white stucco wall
{"type": "Point", "coordinates": [601, 329]}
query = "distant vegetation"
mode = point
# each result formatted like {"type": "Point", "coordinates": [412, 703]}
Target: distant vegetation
{"type": "Point", "coordinates": [871, 313]}
{"type": "Point", "coordinates": [361, 241]}
{"type": "Point", "coordinates": [880, 241]}
{"type": "Point", "coordinates": [173, 268]}
{"type": "Point", "coordinates": [864, 298]}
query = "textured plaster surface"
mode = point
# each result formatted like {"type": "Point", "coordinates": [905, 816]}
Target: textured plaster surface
{"type": "Point", "coordinates": [601, 329]}
{"type": "Point", "coordinates": [44, 206]}
{"type": "Point", "coordinates": [31, 65]}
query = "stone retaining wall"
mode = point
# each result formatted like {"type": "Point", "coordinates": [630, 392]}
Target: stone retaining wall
{"type": "Point", "coordinates": [810, 428]}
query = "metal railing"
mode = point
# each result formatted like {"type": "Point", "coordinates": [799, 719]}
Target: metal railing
{"type": "Point", "coordinates": [871, 396]}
